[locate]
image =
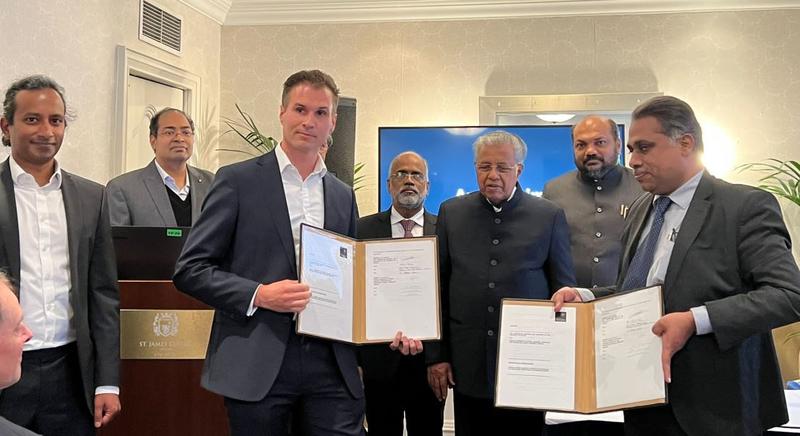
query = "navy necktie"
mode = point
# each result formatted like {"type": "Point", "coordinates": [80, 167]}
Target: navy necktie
{"type": "Point", "coordinates": [638, 269]}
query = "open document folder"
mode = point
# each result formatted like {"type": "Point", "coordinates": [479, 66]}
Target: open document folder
{"type": "Point", "coordinates": [590, 357]}
{"type": "Point", "coordinates": [365, 291]}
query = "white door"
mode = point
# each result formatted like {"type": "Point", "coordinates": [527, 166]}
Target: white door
{"type": "Point", "coordinates": [145, 98]}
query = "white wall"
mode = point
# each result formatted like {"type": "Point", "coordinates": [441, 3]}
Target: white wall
{"type": "Point", "coordinates": [74, 43]}
{"type": "Point", "coordinates": [739, 70]}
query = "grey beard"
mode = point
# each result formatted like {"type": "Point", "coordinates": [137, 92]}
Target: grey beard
{"type": "Point", "coordinates": [410, 201]}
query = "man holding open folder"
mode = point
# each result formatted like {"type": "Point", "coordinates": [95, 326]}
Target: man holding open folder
{"type": "Point", "coordinates": [722, 255]}
{"type": "Point", "coordinates": [241, 259]}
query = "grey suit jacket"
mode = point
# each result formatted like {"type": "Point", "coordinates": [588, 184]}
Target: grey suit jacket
{"type": "Point", "coordinates": [595, 223]}
{"type": "Point", "coordinates": [93, 294]}
{"type": "Point", "coordinates": [139, 198]}
{"type": "Point", "coordinates": [243, 238]}
{"type": "Point", "coordinates": [8, 428]}
{"type": "Point", "coordinates": [733, 255]}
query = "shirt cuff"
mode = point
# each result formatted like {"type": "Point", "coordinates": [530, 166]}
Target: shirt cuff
{"type": "Point", "coordinates": [586, 294]}
{"type": "Point", "coordinates": [252, 308]}
{"type": "Point", "coordinates": [107, 390]}
{"type": "Point", "coordinates": [702, 323]}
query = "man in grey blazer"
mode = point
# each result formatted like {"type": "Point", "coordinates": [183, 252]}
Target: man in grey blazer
{"type": "Point", "coordinates": [723, 257]}
{"type": "Point", "coordinates": [55, 242]}
{"type": "Point", "coordinates": [167, 192]}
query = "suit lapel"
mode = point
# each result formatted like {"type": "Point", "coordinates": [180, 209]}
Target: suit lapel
{"type": "Point", "coordinates": [158, 193]}
{"type": "Point", "coordinates": [430, 224]}
{"type": "Point", "coordinates": [690, 228]}
{"type": "Point", "coordinates": [331, 220]}
{"type": "Point", "coordinates": [638, 218]}
{"type": "Point", "coordinates": [199, 188]}
{"type": "Point", "coordinates": [384, 229]}
{"type": "Point", "coordinates": [276, 201]}
{"type": "Point", "coordinates": [72, 210]}
{"type": "Point", "coordinates": [8, 221]}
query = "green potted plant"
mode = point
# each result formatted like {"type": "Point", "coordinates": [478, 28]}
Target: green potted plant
{"type": "Point", "coordinates": [782, 178]}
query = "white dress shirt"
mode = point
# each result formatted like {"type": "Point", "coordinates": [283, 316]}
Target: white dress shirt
{"type": "Point", "coordinates": [397, 229]}
{"type": "Point", "coordinates": [673, 218]}
{"type": "Point", "coordinates": [45, 280]}
{"type": "Point", "coordinates": [305, 201]}
{"type": "Point", "coordinates": [170, 182]}
{"type": "Point", "coordinates": [44, 259]}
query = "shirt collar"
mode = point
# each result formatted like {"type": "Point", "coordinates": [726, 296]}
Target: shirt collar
{"type": "Point", "coordinates": [169, 179]}
{"type": "Point", "coordinates": [284, 162]}
{"type": "Point", "coordinates": [683, 195]}
{"type": "Point", "coordinates": [500, 208]}
{"type": "Point", "coordinates": [24, 179]}
{"type": "Point", "coordinates": [418, 217]}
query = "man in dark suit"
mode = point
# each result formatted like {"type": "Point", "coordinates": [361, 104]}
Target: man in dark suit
{"type": "Point", "coordinates": [723, 257]}
{"type": "Point", "coordinates": [168, 192]}
{"type": "Point", "coordinates": [396, 384]}
{"type": "Point", "coordinates": [13, 336]}
{"type": "Point", "coordinates": [56, 243]}
{"type": "Point", "coordinates": [241, 259]}
{"type": "Point", "coordinates": [496, 243]}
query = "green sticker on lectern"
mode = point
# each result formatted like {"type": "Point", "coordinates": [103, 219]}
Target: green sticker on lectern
{"type": "Point", "coordinates": [174, 233]}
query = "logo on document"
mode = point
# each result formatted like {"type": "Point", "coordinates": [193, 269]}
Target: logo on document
{"type": "Point", "coordinates": [165, 324]}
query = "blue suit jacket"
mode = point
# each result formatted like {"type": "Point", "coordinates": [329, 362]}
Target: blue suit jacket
{"type": "Point", "coordinates": [243, 238]}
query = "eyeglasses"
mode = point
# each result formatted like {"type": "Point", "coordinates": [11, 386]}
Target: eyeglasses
{"type": "Point", "coordinates": [170, 132]}
{"type": "Point", "coordinates": [401, 175]}
{"type": "Point", "coordinates": [501, 168]}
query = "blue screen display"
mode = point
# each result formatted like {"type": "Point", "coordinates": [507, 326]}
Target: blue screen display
{"type": "Point", "coordinates": [448, 151]}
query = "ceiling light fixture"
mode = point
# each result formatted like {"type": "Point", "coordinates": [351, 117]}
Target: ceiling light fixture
{"type": "Point", "coordinates": [555, 118]}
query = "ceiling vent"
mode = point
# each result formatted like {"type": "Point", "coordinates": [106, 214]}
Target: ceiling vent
{"type": "Point", "coordinates": [160, 28]}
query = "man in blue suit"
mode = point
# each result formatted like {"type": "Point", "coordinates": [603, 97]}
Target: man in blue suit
{"type": "Point", "coordinates": [241, 259]}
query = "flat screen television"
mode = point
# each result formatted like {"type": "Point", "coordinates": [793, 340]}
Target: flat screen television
{"type": "Point", "coordinates": [448, 151]}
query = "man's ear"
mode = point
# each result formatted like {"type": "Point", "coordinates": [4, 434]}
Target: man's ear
{"type": "Point", "coordinates": [688, 143]}
{"type": "Point", "coordinates": [153, 142]}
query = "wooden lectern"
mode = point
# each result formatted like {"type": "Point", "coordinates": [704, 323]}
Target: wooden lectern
{"type": "Point", "coordinates": [163, 396]}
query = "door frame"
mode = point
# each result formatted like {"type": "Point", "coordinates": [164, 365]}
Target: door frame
{"type": "Point", "coordinates": [132, 63]}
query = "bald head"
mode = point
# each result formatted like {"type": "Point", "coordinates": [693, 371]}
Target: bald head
{"type": "Point", "coordinates": [13, 334]}
{"type": "Point", "coordinates": [596, 144]}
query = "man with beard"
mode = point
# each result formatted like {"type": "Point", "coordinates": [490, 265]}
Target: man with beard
{"type": "Point", "coordinates": [595, 197]}
{"type": "Point", "coordinates": [395, 384]}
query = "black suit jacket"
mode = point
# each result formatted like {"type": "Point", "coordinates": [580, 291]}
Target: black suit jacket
{"type": "Point", "coordinates": [733, 255]}
{"type": "Point", "coordinates": [378, 361]}
{"type": "Point", "coordinates": [94, 295]}
{"type": "Point", "coordinates": [485, 256]}
{"type": "Point", "coordinates": [243, 238]}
